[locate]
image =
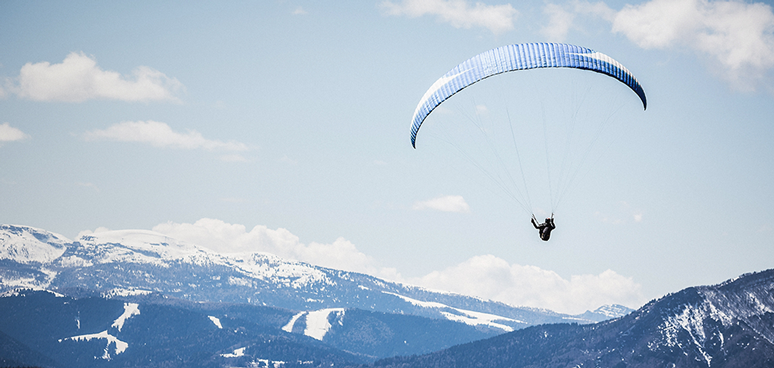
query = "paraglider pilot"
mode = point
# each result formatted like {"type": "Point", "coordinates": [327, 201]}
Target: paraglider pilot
{"type": "Point", "coordinates": [544, 228]}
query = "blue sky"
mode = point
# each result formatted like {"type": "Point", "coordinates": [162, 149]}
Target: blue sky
{"type": "Point", "coordinates": [283, 126]}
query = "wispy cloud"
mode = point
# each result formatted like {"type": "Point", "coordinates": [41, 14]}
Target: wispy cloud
{"type": "Point", "coordinates": [493, 278]}
{"type": "Point", "coordinates": [450, 203]}
{"type": "Point", "coordinates": [78, 79]}
{"type": "Point", "coordinates": [161, 135]}
{"type": "Point", "coordinates": [458, 13]}
{"type": "Point", "coordinates": [10, 134]}
{"type": "Point", "coordinates": [223, 237]}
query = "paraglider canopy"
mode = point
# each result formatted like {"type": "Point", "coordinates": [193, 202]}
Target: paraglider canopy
{"type": "Point", "coordinates": [519, 57]}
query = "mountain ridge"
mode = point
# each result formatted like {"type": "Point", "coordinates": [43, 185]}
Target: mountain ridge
{"type": "Point", "coordinates": [144, 259]}
{"type": "Point", "coordinates": [726, 325]}
{"type": "Point", "coordinates": [125, 298]}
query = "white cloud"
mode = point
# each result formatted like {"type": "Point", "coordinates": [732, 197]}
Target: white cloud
{"type": "Point", "coordinates": [738, 37]}
{"type": "Point", "coordinates": [161, 135]}
{"type": "Point", "coordinates": [450, 203]}
{"type": "Point", "coordinates": [735, 38]}
{"type": "Point", "coordinates": [458, 13]}
{"type": "Point", "coordinates": [598, 9]}
{"type": "Point", "coordinates": [563, 18]}
{"type": "Point", "coordinates": [10, 134]}
{"type": "Point", "coordinates": [223, 237]}
{"type": "Point", "coordinates": [493, 278]}
{"type": "Point", "coordinates": [559, 22]}
{"type": "Point", "coordinates": [78, 78]}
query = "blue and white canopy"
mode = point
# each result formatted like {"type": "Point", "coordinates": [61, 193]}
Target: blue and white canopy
{"type": "Point", "coordinates": [519, 57]}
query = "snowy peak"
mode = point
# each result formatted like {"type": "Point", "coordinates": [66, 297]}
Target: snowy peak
{"type": "Point", "coordinates": [137, 239]}
{"type": "Point", "coordinates": [26, 244]}
{"type": "Point", "coordinates": [142, 246]}
{"type": "Point", "coordinates": [128, 245]}
{"type": "Point", "coordinates": [613, 310]}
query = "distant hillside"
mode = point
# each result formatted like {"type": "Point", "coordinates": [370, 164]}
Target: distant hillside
{"type": "Point", "coordinates": [726, 325]}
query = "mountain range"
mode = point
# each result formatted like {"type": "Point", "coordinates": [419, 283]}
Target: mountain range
{"type": "Point", "coordinates": [338, 316]}
{"type": "Point", "coordinates": [144, 260]}
{"type": "Point", "coordinates": [139, 298]}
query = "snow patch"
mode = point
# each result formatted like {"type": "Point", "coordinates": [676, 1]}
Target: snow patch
{"type": "Point", "coordinates": [289, 327]}
{"type": "Point", "coordinates": [691, 320]}
{"type": "Point", "coordinates": [269, 363]}
{"type": "Point", "coordinates": [23, 283]}
{"type": "Point", "coordinates": [235, 354]}
{"type": "Point", "coordinates": [120, 346]}
{"type": "Point", "coordinates": [216, 321]}
{"type": "Point", "coordinates": [479, 319]}
{"type": "Point", "coordinates": [239, 281]}
{"type": "Point", "coordinates": [125, 292]}
{"type": "Point", "coordinates": [468, 317]}
{"type": "Point", "coordinates": [317, 324]}
{"type": "Point", "coordinates": [26, 244]}
{"type": "Point", "coordinates": [612, 310]}
{"type": "Point", "coordinates": [419, 303]}
{"type": "Point", "coordinates": [21, 292]}
{"type": "Point", "coordinates": [130, 309]}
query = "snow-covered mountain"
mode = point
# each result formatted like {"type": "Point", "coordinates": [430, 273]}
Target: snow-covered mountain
{"type": "Point", "coordinates": [149, 261]}
{"type": "Point", "coordinates": [124, 298]}
{"type": "Point", "coordinates": [725, 325]}
{"type": "Point", "coordinates": [27, 245]}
